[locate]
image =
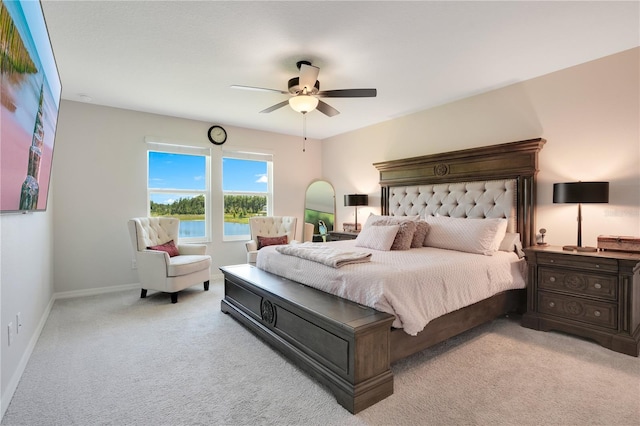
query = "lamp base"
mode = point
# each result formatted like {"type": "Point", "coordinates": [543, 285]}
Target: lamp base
{"type": "Point", "coordinates": [351, 227]}
{"type": "Point", "coordinates": [579, 248]}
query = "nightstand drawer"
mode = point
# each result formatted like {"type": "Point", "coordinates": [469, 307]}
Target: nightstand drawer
{"type": "Point", "coordinates": [580, 283]}
{"type": "Point", "coordinates": [590, 311]}
{"type": "Point", "coordinates": [579, 262]}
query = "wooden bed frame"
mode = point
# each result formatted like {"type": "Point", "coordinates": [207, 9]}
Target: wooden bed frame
{"type": "Point", "coordinates": [348, 347]}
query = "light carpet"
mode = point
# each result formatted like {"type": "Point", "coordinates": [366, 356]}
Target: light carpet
{"type": "Point", "coordinates": [116, 359]}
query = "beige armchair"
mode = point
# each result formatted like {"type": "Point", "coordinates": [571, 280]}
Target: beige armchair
{"type": "Point", "coordinates": [269, 227]}
{"type": "Point", "coordinates": [308, 232]}
{"type": "Point", "coordinates": [178, 267]}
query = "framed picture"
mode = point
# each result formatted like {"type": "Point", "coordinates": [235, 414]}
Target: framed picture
{"type": "Point", "coordinates": [30, 101]}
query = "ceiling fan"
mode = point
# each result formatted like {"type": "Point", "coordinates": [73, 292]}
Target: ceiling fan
{"type": "Point", "coordinates": [306, 91]}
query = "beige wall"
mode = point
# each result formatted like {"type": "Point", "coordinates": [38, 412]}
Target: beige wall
{"type": "Point", "coordinates": [101, 177]}
{"type": "Point", "coordinates": [589, 115]}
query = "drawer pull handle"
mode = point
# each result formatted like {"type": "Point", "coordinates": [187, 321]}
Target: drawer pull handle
{"type": "Point", "coordinates": [596, 313]}
{"type": "Point", "coordinates": [552, 279]}
{"type": "Point", "coordinates": [552, 304]}
{"type": "Point", "coordinates": [598, 286]}
{"type": "Point", "coordinates": [597, 265]}
{"type": "Point", "coordinates": [551, 261]}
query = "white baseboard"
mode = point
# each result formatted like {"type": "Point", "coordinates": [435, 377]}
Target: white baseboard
{"type": "Point", "coordinates": [110, 289]}
{"type": "Point", "coordinates": [17, 374]}
{"type": "Point", "coordinates": [94, 291]}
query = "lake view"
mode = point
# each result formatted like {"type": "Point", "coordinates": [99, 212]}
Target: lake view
{"type": "Point", "coordinates": [195, 228]}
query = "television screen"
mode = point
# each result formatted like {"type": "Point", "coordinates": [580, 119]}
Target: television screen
{"type": "Point", "coordinates": [30, 101]}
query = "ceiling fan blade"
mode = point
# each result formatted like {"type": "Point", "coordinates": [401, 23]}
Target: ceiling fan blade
{"type": "Point", "coordinates": [260, 89]}
{"type": "Point", "coordinates": [276, 106]}
{"type": "Point", "coordinates": [308, 76]}
{"type": "Point", "coordinates": [326, 109]}
{"type": "Point", "coordinates": [348, 93]}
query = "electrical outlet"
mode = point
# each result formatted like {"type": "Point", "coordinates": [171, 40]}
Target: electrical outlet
{"type": "Point", "coordinates": [18, 322]}
{"type": "Point", "coordinates": [134, 264]}
{"type": "Point", "coordinates": [10, 334]}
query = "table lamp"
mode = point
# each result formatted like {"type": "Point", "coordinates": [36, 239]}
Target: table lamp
{"type": "Point", "coordinates": [580, 192]}
{"type": "Point", "coordinates": [356, 200]}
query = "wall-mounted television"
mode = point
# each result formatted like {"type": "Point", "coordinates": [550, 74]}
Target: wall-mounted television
{"type": "Point", "coordinates": [30, 100]}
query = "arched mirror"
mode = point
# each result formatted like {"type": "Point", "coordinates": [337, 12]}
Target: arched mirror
{"type": "Point", "coordinates": [320, 205]}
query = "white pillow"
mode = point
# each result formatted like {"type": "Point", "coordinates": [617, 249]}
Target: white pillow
{"type": "Point", "coordinates": [482, 236]}
{"type": "Point", "coordinates": [375, 217]}
{"type": "Point", "coordinates": [377, 237]}
{"type": "Point", "coordinates": [511, 243]}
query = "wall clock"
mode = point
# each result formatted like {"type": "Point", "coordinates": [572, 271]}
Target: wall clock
{"type": "Point", "coordinates": [217, 135]}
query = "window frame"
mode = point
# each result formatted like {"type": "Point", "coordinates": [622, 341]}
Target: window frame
{"type": "Point", "coordinates": [252, 156]}
{"type": "Point", "coordinates": [171, 148]}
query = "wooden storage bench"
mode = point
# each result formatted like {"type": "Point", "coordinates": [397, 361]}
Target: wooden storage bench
{"type": "Point", "coordinates": [344, 345]}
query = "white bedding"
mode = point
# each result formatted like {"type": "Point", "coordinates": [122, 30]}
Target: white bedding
{"type": "Point", "coordinates": [416, 286]}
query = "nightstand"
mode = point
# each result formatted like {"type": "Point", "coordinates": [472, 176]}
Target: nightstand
{"type": "Point", "coordinates": [337, 236]}
{"type": "Point", "coordinates": [590, 294]}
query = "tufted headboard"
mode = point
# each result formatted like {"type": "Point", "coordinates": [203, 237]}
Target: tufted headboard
{"type": "Point", "coordinates": [482, 199]}
{"type": "Point", "coordinates": [486, 182]}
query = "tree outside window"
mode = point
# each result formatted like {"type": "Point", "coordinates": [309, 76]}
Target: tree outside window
{"type": "Point", "coordinates": [247, 190]}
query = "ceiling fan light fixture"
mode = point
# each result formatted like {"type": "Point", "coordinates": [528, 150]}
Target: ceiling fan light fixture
{"type": "Point", "coordinates": [303, 103]}
{"type": "Point", "coordinates": [304, 90]}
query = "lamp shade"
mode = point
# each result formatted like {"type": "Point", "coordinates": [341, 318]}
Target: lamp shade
{"type": "Point", "coordinates": [581, 192]}
{"type": "Point", "coordinates": [303, 103]}
{"type": "Point", "coordinates": [356, 199]}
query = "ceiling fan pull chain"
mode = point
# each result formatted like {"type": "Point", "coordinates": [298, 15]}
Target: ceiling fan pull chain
{"type": "Point", "coordinates": [304, 132]}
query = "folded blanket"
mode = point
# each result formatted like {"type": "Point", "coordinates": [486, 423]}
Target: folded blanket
{"type": "Point", "coordinates": [324, 254]}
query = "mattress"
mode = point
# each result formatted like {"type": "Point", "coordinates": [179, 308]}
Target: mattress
{"type": "Point", "coordinates": [416, 285]}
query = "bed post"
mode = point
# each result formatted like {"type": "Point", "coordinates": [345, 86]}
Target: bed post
{"type": "Point", "coordinates": [384, 200]}
{"type": "Point", "coordinates": [527, 218]}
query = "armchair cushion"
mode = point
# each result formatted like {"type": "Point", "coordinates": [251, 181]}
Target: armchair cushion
{"type": "Point", "coordinates": [187, 264]}
{"type": "Point", "coordinates": [168, 247]}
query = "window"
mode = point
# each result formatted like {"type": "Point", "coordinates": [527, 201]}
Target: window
{"type": "Point", "coordinates": [247, 189]}
{"type": "Point", "coordinates": [178, 186]}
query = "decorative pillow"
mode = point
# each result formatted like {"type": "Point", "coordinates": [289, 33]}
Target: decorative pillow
{"type": "Point", "coordinates": [420, 235]}
{"type": "Point", "coordinates": [404, 237]}
{"type": "Point", "coordinates": [272, 241]}
{"type": "Point", "coordinates": [377, 237]}
{"type": "Point", "coordinates": [374, 217]}
{"type": "Point", "coordinates": [168, 247]}
{"type": "Point", "coordinates": [482, 236]}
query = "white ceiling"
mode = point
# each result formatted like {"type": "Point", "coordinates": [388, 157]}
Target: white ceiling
{"type": "Point", "coordinates": [179, 58]}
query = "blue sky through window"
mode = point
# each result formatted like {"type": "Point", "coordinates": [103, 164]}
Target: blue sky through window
{"type": "Point", "coordinates": [175, 171]}
{"type": "Point", "coordinates": [244, 175]}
